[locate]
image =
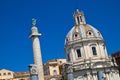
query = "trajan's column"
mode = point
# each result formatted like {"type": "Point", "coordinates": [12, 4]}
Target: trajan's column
{"type": "Point", "coordinates": [37, 50]}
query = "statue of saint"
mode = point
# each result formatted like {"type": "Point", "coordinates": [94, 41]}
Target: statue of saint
{"type": "Point", "coordinates": [33, 22]}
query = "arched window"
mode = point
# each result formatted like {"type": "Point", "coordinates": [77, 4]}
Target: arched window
{"type": "Point", "coordinates": [4, 74]}
{"type": "Point", "coordinates": [9, 73]}
{"type": "Point", "coordinates": [78, 52]}
{"type": "Point", "coordinates": [54, 72]}
{"type": "Point", "coordinates": [90, 33]}
{"type": "Point", "coordinates": [60, 62]}
{"type": "Point", "coordinates": [81, 18]}
{"type": "Point", "coordinates": [78, 20]}
{"type": "Point", "coordinates": [94, 51]}
{"type": "Point", "coordinates": [68, 57]}
{"type": "Point", "coordinates": [75, 35]}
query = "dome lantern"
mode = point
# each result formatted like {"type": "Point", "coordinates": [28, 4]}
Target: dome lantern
{"type": "Point", "coordinates": [79, 18]}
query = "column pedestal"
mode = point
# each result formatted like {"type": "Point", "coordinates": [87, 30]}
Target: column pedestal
{"type": "Point", "coordinates": [70, 72]}
{"type": "Point", "coordinates": [33, 72]}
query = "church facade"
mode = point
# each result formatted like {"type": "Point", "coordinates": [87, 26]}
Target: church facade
{"type": "Point", "coordinates": [86, 53]}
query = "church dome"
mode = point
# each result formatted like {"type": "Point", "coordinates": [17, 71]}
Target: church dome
{"type": "Point", "coordinates": [82, 31]}
{"type": "Point", "coordinates": [86, 52]}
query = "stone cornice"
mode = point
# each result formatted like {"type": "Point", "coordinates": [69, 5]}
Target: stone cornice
{"type": "Point", "coordinates": [84, 40]}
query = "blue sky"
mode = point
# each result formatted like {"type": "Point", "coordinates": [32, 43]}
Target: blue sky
{"type": "Point", "coordinates": [54, 20]}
